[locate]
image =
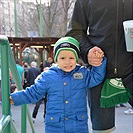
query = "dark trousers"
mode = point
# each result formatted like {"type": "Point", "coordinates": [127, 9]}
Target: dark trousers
{"type": "Point", "coordinates": [104, 118]}
{"type": "Point", "coordinates": [128, 83]}
{"type": "Point", "coordinates": [101, 118]}
{"type": "Point", "coordinates": [36, 108]}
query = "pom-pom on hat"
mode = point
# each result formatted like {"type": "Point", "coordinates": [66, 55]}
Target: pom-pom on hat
{"type": "Point", "coordinates": [66, 43]}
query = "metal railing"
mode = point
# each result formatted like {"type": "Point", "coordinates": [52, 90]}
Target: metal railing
{"type": "Point", "coordinates": [8, 63]}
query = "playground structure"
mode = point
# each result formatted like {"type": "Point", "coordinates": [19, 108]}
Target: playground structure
{"type": "Point", "coordinates": [18, 44]}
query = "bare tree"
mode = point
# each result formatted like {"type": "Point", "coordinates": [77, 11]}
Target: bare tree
{"type": "Point", "coordinates": [67, 8]}
{"type": "Point", "coordinates": [55, 14]}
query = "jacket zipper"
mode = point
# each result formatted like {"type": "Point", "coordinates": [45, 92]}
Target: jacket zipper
{"type": "Point", "coordinates": [115, 69]}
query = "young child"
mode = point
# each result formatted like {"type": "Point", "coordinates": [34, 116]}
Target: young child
{"type": "Point", "coordinates": [66, 85]}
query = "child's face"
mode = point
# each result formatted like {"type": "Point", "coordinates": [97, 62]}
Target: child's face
{"type": "Point", "coordinates": [66, 60]}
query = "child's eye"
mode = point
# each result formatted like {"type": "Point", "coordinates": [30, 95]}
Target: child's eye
{"type": "Point", "coordinates": [62, 58]}
{"type": "Point", "coordinates": [71, 58]}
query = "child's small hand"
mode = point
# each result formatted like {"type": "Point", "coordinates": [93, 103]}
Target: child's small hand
{"type": "Point", "coordinates": [99, 54]}
{"type": "Point", "coordinates": [11, 101]}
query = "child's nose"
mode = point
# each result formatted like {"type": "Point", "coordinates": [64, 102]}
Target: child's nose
{"type": "Point", "coordinates": [67, 61]}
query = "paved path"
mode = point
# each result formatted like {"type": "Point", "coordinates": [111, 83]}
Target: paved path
{"type": "Point", "coordinates": [124, 123]}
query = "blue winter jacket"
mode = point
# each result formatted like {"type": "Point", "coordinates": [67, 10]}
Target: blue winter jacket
{"type": "Point", "coordinates": [66, 108]}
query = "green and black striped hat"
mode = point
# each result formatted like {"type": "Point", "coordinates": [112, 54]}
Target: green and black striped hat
{"type": "Point", "coordinates": [66, 43]}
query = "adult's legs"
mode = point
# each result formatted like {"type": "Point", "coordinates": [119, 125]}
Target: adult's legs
{"type": "Point", "coordinates": [103, 119]}
{"type": "Point", "coordinates": [128, 83]}
{"type": "Point", "coordinates": [35, 111]}
{"type": "Point", "coordinates": [45, 100]}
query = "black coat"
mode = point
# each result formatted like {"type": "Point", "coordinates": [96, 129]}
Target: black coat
{"type": "Point", "coordinates": [105, 21]}
{"type": "Point", "coordinates": [32, 73]}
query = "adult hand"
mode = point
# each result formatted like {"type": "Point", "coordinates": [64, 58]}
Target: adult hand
{"type": "Point", "coordinates": [95, 56]}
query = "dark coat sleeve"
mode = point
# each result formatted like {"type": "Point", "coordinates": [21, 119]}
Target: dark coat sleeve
{"type": "Point", "coordinates": [78, 27]}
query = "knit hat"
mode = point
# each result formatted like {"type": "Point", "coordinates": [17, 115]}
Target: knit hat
{"type": "Point", "coordinates": [66, 43]}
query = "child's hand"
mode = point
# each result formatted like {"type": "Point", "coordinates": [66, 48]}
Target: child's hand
{"type": "Point", "coordinates": [11, 101]}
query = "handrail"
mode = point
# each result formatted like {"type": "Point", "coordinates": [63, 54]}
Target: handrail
{"type": "Point", "coordinates": [5, 84]}
{"type": "Point", "coordinates": [4, 122]}
{"type": "Point", "coordinates": [7, 62]}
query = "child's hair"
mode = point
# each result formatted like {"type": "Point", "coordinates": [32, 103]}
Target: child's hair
{"type": "Point", "coordinates": [66, 43]}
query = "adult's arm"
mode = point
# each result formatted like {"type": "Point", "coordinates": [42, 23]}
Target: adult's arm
{"type": "Point", "coordinates": [78, 28]}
